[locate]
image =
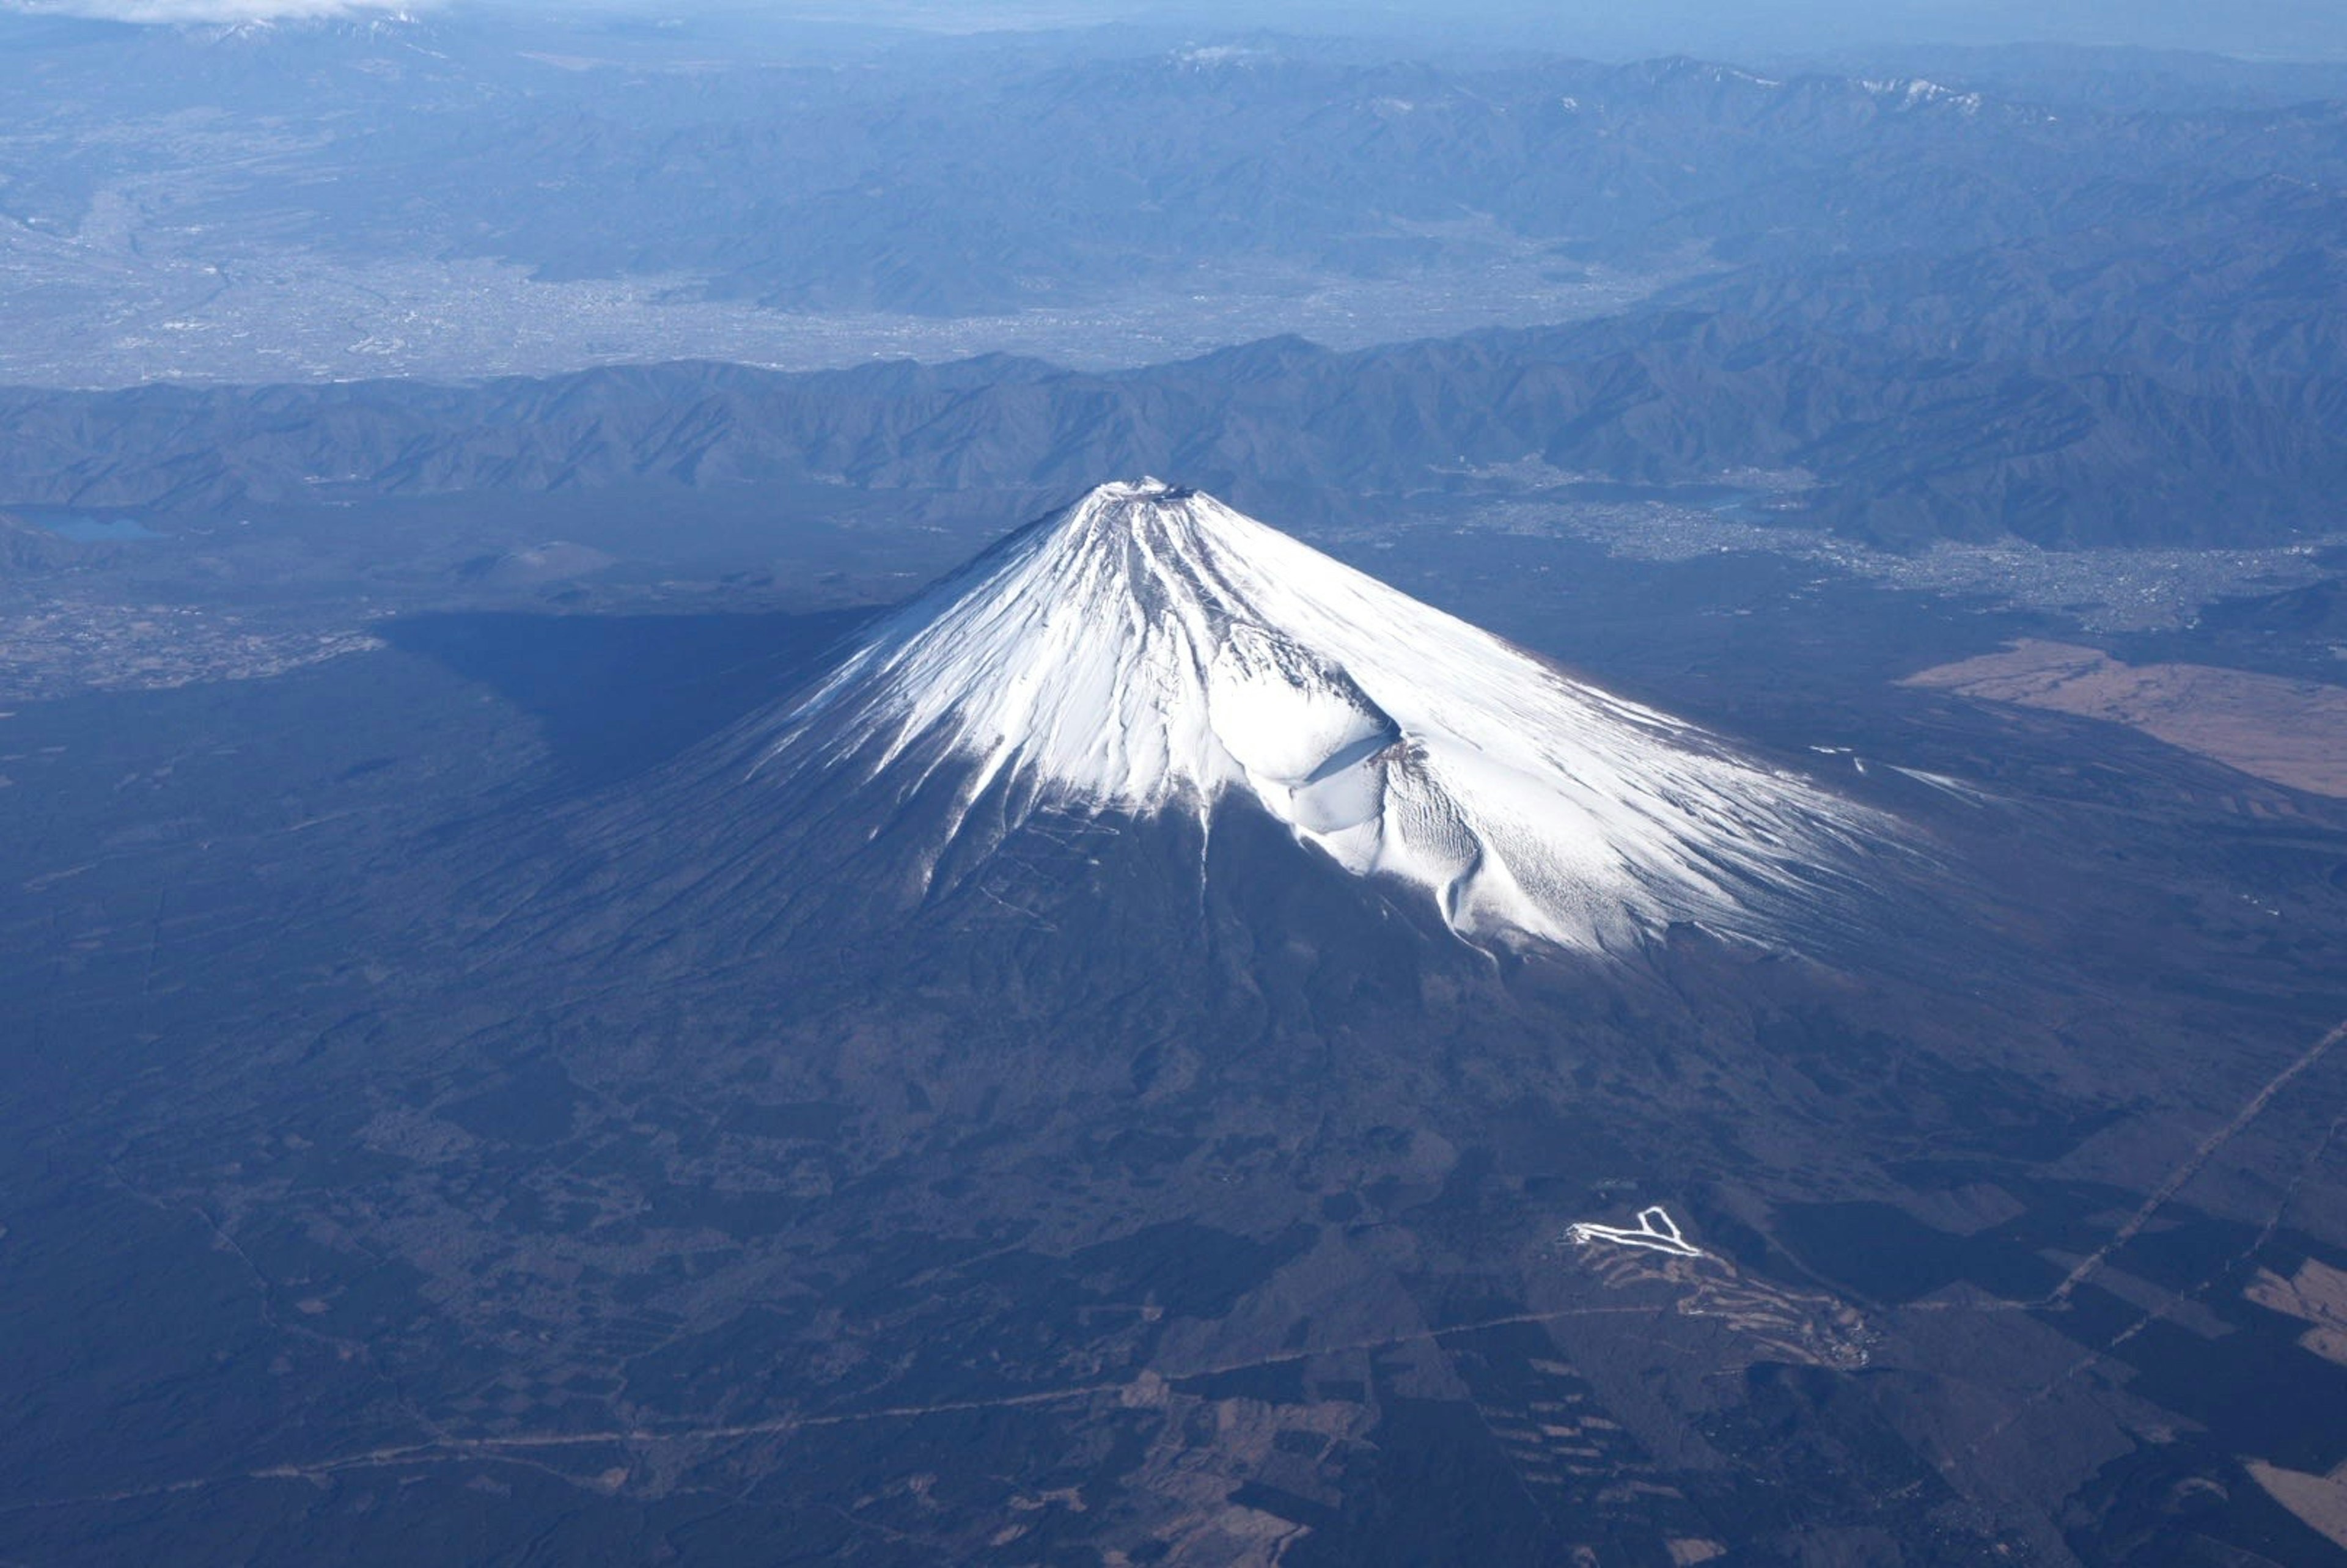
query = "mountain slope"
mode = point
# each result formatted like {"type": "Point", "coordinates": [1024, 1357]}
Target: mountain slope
{"type": "Point", "coordinates": [1148, 650]}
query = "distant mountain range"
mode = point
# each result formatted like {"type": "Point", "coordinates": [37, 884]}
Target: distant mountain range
{"type": "Point", "coordinates": [1906, 445]}
{"type": "Point", "coordinates": [953, 179]}
{"type": "Point", "coordinates": [2115, 313]}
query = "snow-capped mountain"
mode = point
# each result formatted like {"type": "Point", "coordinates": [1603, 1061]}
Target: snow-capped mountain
{"type": "Point", "coordinates": [1150, 650]}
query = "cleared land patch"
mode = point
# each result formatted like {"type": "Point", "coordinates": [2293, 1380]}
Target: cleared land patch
{"type": "Point", "coordinates": [2291, 732]}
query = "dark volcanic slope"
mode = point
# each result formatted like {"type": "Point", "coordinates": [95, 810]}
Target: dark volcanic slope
{"type": "Point", "coordinates": [413, 1158]}
{"type": "Point", "coordinates": [1071, 1206]}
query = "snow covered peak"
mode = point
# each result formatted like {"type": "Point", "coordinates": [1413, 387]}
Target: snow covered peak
{"type": "Point", "coordinates": [1151, 649]}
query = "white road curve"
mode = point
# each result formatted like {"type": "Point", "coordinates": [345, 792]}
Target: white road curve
{"type": "Point", "coordinates": [1656, 1232]}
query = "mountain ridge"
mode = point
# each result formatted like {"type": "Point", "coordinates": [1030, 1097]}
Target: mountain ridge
{"type": "Point", "coordinates": [1905, 448]}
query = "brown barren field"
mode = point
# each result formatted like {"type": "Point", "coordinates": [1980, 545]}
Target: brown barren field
{"type": "Point", "coordinates": [2291, 732]}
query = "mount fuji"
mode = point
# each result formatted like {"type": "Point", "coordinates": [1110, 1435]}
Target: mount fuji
{"type": "Point", "coordinates": [1163, 1021]}
{"type": "Point", "coordinates": [1149, 652]}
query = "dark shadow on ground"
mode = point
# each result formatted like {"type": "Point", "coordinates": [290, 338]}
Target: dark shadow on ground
{"type": "Point", "coordinates": [620, 693]}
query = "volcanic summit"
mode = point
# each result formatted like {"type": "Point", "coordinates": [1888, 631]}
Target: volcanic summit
{"type": "Point", "coordinates": [1149, 650]}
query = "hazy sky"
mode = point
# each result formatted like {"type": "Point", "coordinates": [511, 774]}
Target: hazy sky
{"type": "Point", "coordinates": [2303, 29]}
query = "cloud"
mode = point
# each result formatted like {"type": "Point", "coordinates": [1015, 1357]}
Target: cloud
{"type": "Point", "coordinates": [168, 13]}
